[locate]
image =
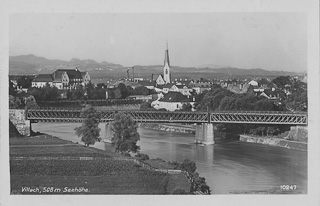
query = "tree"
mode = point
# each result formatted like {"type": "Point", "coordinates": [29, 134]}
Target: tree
{"type": "Point", "coordinates": [145, 106]}
{"type": "Point", "coordinates": [89, 90]}
{"type": "Point", "coordinates": [188, 165]}
{"type": "Point", "coordinates": [30, 103]}
{"type": "Point", "coordinates": [89, 131]}
{"type": "Point", "coordinates": [78, 93]}
{"type": "Point", "coordinates": [24, 81]}
{"type": "Point", "coordinates": [15, 102]}
{"type": "Point", "coordinates": [281, 81]}
{"type": "Point", "coordinates": [141, 91]}
{"type": "Point", "coordinates": [12, 90]}
{"type": "Point", "coordinates": [125, 135]}
{"type": "Point", "coordinates": [117, 93]}
{"type": "Point", "coordinates": [124, 90]}
{"type": "Point", "coordinates": [186, 107]}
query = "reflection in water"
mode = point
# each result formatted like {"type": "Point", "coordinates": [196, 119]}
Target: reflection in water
{"type": "Point", "coordinates": [234, 167]}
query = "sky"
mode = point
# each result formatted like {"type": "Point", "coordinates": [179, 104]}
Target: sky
{"type": "Point", "coordinates": [270, 41]}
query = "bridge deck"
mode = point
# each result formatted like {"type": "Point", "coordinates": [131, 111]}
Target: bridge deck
{"type": "Point", "coordinates": [248, 117]}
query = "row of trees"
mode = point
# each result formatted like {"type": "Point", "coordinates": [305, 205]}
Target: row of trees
{"type": "Point", "coordinates": [88, 92]}
{"type": "Point", "coordinates": [220, 99]}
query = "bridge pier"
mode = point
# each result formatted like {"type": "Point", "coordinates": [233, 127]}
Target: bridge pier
{"type": "Point", "coordinates": [19, 120]}
{"type": "Point", "coordinates": [108, 133]}
{"type": "Point", "coordinates": [204, 134]}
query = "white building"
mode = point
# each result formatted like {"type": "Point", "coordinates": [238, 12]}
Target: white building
{"type": "Point", "coordinates": [253, 83]}
{"type": "Point", "coordinates": [172, 101]}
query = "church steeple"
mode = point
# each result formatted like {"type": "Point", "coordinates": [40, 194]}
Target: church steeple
{"type": "Point", "coordinates": [166, 69]}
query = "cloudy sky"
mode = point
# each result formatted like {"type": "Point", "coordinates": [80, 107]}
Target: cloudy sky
{"type": "Point", "coordinates": [271, 41]}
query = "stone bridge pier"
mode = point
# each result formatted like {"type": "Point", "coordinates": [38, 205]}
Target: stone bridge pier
{"type": "Point", "coordinates": [108, 133]}
{"type": "Point", "coordinates": [204, 134]}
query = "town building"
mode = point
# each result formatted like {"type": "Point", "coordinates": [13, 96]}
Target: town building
{"type": "Point", "coordinates": [62, 79]}
{"type": "Point", "coordinates": [172, 101]}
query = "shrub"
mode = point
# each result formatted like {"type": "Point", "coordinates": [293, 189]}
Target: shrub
{"type": "Point", "coordinates": [180, 191]}
{"type": "Point", "coordinates": [142, 156]}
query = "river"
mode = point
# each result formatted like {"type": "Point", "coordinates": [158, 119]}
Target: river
{"type": "Point", "coordinates": [229, 168]}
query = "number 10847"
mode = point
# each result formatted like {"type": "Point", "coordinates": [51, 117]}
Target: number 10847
{"type": "Point", "coordinates": [288, 187]}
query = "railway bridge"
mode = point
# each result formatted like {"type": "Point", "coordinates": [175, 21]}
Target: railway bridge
{"type": "Point", "coordinates": [204, 120]}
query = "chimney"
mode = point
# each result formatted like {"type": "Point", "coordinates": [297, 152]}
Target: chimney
{"type": "Point", "coordinates": [151, 77]}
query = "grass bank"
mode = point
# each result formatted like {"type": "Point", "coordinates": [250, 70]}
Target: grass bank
{"type": "Point", "coordinates": [58, 169]}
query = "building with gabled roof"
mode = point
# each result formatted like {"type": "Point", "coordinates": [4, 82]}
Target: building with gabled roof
{"type": "Point", "coordinates": [62, 79]}
{"type": "Point", "coordinates": [148, 84]}
{"type": "Point", "coordinates": [41, 80]}
{"type": "Point", "coordinates": [172, 101]}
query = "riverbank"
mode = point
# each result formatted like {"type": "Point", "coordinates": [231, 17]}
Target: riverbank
{"type": "Point", "coordinates": [273, 141]}
{"type": "Point", "coordinates": [188, 129]}
{"type": "Point", "coordinates": [69, 168]}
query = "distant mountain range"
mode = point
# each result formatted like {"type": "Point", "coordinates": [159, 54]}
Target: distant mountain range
{"type": "Point", "coordinates": [31, 64]}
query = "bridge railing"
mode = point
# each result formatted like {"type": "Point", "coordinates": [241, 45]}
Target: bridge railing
{"type": "Point", "coordinates": [176, 112]}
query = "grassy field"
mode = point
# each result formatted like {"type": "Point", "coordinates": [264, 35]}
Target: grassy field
{"type": "Point", "coordinates": [101, 175]}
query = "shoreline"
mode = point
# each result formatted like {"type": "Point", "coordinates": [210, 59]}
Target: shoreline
{"type": "Point", "coordinates": [270, 141]}
{"type": "Point", "coordinates": [186, 129]}
{"type": "Point", "coordinates": [275, 142]}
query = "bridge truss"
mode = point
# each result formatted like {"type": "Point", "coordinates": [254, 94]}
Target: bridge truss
{"type": "Point", "coordinates": [66, 115]}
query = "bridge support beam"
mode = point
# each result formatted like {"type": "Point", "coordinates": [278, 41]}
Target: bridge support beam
{"type": "Point", "coordinates": [108, 133]}
{"type": "Point", "coordinates": [204, 134]}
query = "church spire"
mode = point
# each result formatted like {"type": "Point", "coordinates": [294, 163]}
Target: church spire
{"type": "Point", "coordinates": [166, 56]}
{"type": "Point", "coordinates": [166, 69]}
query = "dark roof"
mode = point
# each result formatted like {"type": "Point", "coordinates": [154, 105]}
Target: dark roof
{"type": "Point", "coordinates": [270, 92]}
{"type": "Point", "coordinates": [168, 85]}
{"type": "Point", "coordinates": [72, 74]}
{"type": "Point", "coordinates": [180, 86]}
{"type": "Point", "coordinates": [43, 78]}
{"type": "Point", "coordinates": [83, 74]}
{"type": "Point", "coordinates": [17, 76]}
{"type": "Point", "coordinates": [147, 83]}
{"type": "Point", "coordinates": [175, 97]}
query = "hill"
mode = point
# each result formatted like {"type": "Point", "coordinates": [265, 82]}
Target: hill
{"type": "Point", "coordinates": [31, 64]}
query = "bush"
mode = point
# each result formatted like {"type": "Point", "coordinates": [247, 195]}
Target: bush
{"type": "Point", "coordinates": [127, 154]}
{"type": "Point", "coordinates": [142, 156]}
{"type": "Point", "coordinates": [180, 191]}
{"type": "Point", "coordinates": [188, 165]}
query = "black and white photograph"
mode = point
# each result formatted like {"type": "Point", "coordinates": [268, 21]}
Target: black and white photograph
{"type": "Point", "coordinates": [144, 104]}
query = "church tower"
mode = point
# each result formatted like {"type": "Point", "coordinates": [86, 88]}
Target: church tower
{"type": "Point", "coordinates": [166, 69]}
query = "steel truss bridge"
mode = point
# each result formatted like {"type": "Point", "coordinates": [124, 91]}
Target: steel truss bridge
{"type": "Point", "coordinates": [244, 117]}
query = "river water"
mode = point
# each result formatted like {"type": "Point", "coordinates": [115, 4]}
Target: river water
{"type": "Point", "coordinates": [229, 168]}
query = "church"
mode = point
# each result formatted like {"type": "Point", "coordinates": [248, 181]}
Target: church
{"type": "Point", "coordinates": [166, 77]}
